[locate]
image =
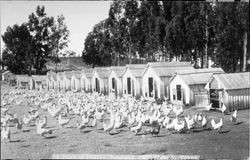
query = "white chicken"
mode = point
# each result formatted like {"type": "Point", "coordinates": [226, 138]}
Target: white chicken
{"type": "Point", "coordinates": [223, 108]}
{"type": "Point", "coordinates": [179, 126]}
{"type": "Point", "coordinates": [137, 128]}
{"type": "Point", "coordinates": [234, 117]}
{"type": "Point", "coordinates": [217, 126]}
{"type": "Point", "coordinates": [179, 111]}
{"type": "Point", "coordinates": [108, 127]}
{"type": "Point", "coordinates": [43, 131]}
{"type": "Point", "coordinates": [80, 126]}
{"type": "Point", "coordinates": [42, 123]}
{"type": "Point", "coordinates": [5, 133]}
{"type": "Point", "coordinates": [4, 121]}
{"type": "Point", "coordinates": [204, 122]}
{"type": "Point", "coordinates": [190, 122]}
{"type": "Point", "coordinates": [166, 121]}
{"type": "Point", "coordinates": [85, 119]}
{"type": "Point", "coordinates": [26, 119]}
{"type": "Point", "coordinates": [209, 107]}
{"type": "Point", "coordinates": [99, 115]}
{"type": "Point", "coordinates": [63, 122]}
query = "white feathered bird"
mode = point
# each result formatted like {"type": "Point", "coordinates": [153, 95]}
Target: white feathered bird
{"type": "Point", "coordinates": [217, 126]}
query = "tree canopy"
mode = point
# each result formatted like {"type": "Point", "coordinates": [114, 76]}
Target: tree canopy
{"type": "Point", "coordinates": [34, 43]}
{"type": "Point", "coordinates": [139, 32]}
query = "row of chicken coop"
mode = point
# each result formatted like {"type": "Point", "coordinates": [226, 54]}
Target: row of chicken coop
{"type": "Point", "coordinates": [178, 82]}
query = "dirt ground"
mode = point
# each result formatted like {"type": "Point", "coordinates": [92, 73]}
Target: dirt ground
{"type": "Point", "coordinates": [231, 143]}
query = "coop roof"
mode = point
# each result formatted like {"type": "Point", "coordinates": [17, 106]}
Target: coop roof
{"type": "Point", "coordinates": [77, 73]}
{"type": "Point", "coordinates": [197, 76]}
{"type": "Point", "coordinates": [234, 80]}
{"type": "Point", "coordinates": [168, 64]}
{"type": "Point", "coordinates": [68, 74]}
{"type": "Point", "coordinates": [170, 71]}
{"type": "Point", "coordinates": [103, 72]}
{"type": "Point", "coordinates": [136, 69]}
{"type": "Point", "coordinates": [60, 75]}
{"type": "Point", "coordinates": [119, 70]}
{"type": "Point", "coordinates": [54, 77]}
{"type": "Point", "coordinates": [38, 78]}
{"type": "Point", "coordinates": [88, 72]}
{"type": "Point", "coordinates": [23, 78]}
{"type": "Point", "coordinates": [204, 70]}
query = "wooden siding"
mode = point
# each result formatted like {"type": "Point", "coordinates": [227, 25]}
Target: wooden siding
{"type": "Point", "coordinates": [201, 99]}
{"type": "Point", "coordinates": [237, 99]}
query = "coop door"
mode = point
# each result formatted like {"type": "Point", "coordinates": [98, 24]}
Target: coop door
{"type": "Point", "coordinates": [178, 90]}
{"type": "Point", "coordinates": [113, 83]}
{"type": "Point", "coordinates": [115, 87]}
{"type": "Point", "coordinates": [150, 86]}
{"type": "Point", "coordinates": [97, 84]}
{"type": "Point", "coordinates": [129, 85]}
{"type": "Point", "coordinates": [214, 98]}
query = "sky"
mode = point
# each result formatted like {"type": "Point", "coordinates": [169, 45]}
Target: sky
{"type": "Point", "coordinates": [80, 16]}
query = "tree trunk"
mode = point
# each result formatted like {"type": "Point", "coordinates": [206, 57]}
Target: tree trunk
{"type": "Point", "coordinates": [205, 58]}
{"type": "Point", "coordinates": [244, 52]}
{"type": "Point", "coordinates": [118, 62]}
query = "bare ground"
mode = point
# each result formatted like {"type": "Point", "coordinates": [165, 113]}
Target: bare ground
{"type": "Point", "coordinates": [232, 142]}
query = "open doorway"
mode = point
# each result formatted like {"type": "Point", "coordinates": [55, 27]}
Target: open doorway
{"type": "Point", "coordinates": [97, 85]}
{"type": "Point", "coordinates": [178, 92]}
{"type": "Point", "coordinates": [129, 85]}
{"type": "Point", "coordinates": [214, 98]}
{"type": "Point", "coordinates": [150, 86]}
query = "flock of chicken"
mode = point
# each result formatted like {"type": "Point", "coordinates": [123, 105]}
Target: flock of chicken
{"type": "Point", "coordinates": [111, 112]}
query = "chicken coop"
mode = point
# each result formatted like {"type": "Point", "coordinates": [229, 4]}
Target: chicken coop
{"type": "Point", "coordinates": [132, 79]}
{"type": "Point", "coordinates": [23, 81]}
{"type": "Point", "coordinates": [38, 82]}
{"type": "Point", "coordinates": [115, 80]}
{"type": "Point", "coordinates": [6, 75]}
{"type": "Point", "coordinates": [67, 80]}
{"type": "Point", "coordinates": [86, 78]}
{"type": "Point", "coordinates": [75, 80]}
{"type": "Point", "coordinates": [232, 90]}
{"type": "Point", "coordinates": [60, 82]}
{"type": "Point", "coordinates": [100, 80]}
{"type": "Point", "coordinates": [187, 87]}
{"type": "Point", "coordinates": [157, 75]}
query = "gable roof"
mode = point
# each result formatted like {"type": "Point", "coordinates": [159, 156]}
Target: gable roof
{"type": "Point", "coordinates": [203, 70]}
{"type": "Point", "coordinates": [68, 74]}
{"type": "Point", "coordinates": [197, 76]}
{"type": "Point", "coordinates": [234, 80]}
{"type": "Point", "coordinates": [119, 70]}
{"type": "Point", "coordinates": [170, 71]}
{"type": "Point", "coordinates": [136, 69]}
{"type": "Point", "coordinates": [60, 75]}
{"type": "Point", "coordinates": [77, 73]}
{"type": "Point", "coordinates": [103, 72]}
{"type": "Point", "coordinates": [88, 72]}
{"type": "Point", "coordinates": [38, 78]}
{"type": "Point", "coordinates": [168, 64]}
{"type": "Point", "coordinates": [23, 78]}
